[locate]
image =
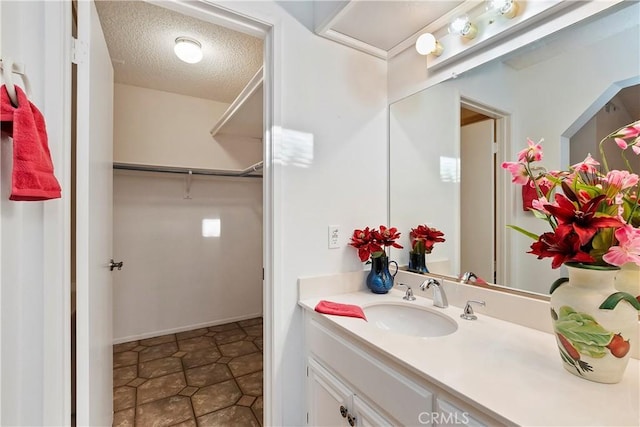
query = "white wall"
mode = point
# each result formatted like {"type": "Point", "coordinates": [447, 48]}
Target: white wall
{"type": "Point", "coordinates": [33, 292]}
{"type": "Point", "coordinates": [330, 168]}
{"type": "Point", "coordinates": [160, 128]}
{"type": "Point", "coordinates": [174, 278]}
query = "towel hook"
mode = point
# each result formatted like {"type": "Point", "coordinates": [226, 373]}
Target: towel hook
{"type": "Point", "coordinates": [7, 76]}
{"type": "Point", "coordinates": [7, 69]}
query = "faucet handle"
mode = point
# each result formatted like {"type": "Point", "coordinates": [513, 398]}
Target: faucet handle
{"type": "Point", "coordinates": [430, 282]}
{"type": "Point", "coordinates": [468, 310]}
{"type": "Point", "coordinates": [467, 276]}
{"type": "Point", "coordinates": [408, 296]}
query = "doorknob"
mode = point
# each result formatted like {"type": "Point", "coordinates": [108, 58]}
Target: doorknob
{"type": "Point", "coordinates": [113, 264]}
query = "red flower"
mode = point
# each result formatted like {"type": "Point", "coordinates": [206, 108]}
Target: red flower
{"type": "Point", "coordinates": [365, 242]}
{"type": "Point", "coordinates": [387, 236]}
{"type": "Point", "coordinates": [581, 220]}
{"type": "Point", "coordinates": [563, 245]}
{"type": "Point", "coordinates": [371, 242]}
{"type": "Point", "coordinates": [423, 238]}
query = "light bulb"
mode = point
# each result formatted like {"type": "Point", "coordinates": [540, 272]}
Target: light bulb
{"type": "Point", "coordinates": [506, 8]}
{"type": "Point", "coordinates": [427, 44]}
{"type": "Point", "coordinates": [463, 26]}
{"type": "Point", "coordinates": [188, 50]}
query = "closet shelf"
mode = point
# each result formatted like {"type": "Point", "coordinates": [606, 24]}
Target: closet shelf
{"type": "Point", "coordinates": [244, 115]}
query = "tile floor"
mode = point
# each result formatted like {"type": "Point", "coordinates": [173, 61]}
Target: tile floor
{"type": "Point", "coordinates": [205, 377]}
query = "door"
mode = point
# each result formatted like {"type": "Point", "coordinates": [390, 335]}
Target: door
{"type": "Point", "coordinates": [366, 416]}
{"type": "Point", "coordinates": [477, 199]}
{"type": "Point", "coordinates": [94, 405]}
{"type": "Point", "coordinates": [328, 400]}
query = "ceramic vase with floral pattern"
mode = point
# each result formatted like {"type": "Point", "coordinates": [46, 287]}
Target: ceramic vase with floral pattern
{"type": "Point", "coordinates": [594, 323]}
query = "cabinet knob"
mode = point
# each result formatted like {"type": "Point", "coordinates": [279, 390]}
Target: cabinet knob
{"type": "Point", "coordinates": [343, 411]}
{"type": "Point", "coordinates": [352, 420]}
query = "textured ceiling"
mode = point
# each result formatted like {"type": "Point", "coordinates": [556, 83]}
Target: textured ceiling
{"type": "Point", "coordinates": [141, 36]}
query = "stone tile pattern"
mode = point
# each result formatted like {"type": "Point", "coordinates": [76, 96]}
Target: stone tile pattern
{"type": "Point", "coordinates": [202, 378]}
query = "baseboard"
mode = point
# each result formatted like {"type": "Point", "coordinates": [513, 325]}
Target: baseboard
{"type": "Point", "coordinates": [185, 328]}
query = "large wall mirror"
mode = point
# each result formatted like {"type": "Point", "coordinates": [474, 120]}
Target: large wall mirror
{"type": "Point", "coordinates": [447, 142]}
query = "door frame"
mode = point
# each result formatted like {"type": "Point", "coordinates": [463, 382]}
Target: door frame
{"type": "Point", "coordinates": [57, 216]}
{"type": "Point", "coordinates": [502, 195]}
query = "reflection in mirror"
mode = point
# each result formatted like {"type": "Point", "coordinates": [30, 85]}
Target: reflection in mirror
{"type": "Point", "coordinates": [443, 173]}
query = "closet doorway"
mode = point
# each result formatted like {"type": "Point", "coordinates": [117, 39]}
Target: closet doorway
{"type": "Point", "coordinates": [184, 165]}
{"type": "Point", "coordinates": [482, 136]}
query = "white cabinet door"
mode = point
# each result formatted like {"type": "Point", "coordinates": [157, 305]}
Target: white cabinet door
{"type": "Point", "coordinates": [449, 415]}
{"type": "Point", "coordinates": [326, 396]}
{"type": "Point", "coordinates": [366, 416]}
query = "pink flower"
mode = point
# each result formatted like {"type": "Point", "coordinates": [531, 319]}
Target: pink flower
{"type": "Point", "coordinates": [628, 249]}
{"type": "Point", "coordinates": [518, 172]}
{"type": "Point", "coordinates": [533, 153]}
{"type": "Point", "coordinates": [630, 131]}
{"type": "Point", "coordinates": [621, 143]}
{"type": "Point", "coordinates": [621, 180]}
{"type": "Point", "coordinates": [538, 204]}
{"type": "Point", "coordinates": [588, 165]}
{"type": "Point", "coordinates": [636, 148]}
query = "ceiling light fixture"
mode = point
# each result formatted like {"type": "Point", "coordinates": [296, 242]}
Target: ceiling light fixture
{"type": "Point", "coordinates": [506, 8]}
{"type": "Point", "coordinates": [188, 50]}
{"type": "Point", "coordinates": [462, 26]}
{"type": "Point", "coordinates": [427, 44]}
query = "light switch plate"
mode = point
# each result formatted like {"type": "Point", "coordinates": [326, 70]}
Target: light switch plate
{"type": "Point", "coordinates": [334, 236]}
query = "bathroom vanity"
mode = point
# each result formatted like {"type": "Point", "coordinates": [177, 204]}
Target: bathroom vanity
{"type": "Point", "coordinates": [486, 372]}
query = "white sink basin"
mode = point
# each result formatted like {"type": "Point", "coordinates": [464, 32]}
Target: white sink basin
{"type": "Point", "coordinates": [410, 320]}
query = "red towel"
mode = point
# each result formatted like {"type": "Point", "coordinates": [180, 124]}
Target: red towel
{"type": "Point", "coordinates": [32, 177]}
{"type": "Point", "coordinates": [337, 309]}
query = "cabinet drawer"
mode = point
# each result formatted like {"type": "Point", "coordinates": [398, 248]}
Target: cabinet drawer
{"type": "Point", "coordinates": [402, 398]}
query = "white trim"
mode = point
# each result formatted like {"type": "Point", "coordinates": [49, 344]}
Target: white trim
{"type": "Point", "coordinates": [354, 43]}
{"type": "Point", "coordinates": [56, 390]}
{"type": "Point", "coordinates": [272, 349]}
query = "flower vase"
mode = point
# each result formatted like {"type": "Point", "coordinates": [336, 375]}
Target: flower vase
{"type": "Point", "coordinates": [380, 279]}
{"type": "Point", "coordinates": [628, 279]}
{"type": "Point", "coordinates": [417, 262]}
{"type": "Point", "coordinates": [593, 323]}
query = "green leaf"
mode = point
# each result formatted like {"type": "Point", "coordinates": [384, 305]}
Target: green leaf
{"type": "Point", "coordinates": [523, 231]}
{"type": "Point", "coordinates": [582, 330]}
{"type": "Point", "coordinates": [538, 214]}
{"type": "Point", "coordinates": [612, 301]}
{"type": "Point", "coordinates": [596, 352]}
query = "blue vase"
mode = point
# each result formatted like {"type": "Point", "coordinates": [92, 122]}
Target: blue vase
{"type": "Point", "coordinates": [380, 280]}
{"type": "Point", "coordinates": [417, 263]}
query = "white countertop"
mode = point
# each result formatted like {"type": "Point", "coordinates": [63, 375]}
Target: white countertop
{"type": "Point", "coordinates": [508, 369]}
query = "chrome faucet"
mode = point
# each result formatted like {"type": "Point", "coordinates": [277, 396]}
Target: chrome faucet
{"type": "Point", "coordinates": [439, 297]}
{"type": "Point", "coordinates": [467, 276]}
{"type": "Point", "coordinates": [408, 296]}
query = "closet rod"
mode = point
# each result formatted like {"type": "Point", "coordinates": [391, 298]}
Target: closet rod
{"type": "Point", "coordinates": [248, 172]}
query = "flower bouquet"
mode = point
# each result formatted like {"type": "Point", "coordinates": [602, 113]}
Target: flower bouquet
{"type": "Point", "coordinates": [371, 244]}
{"type": "Point", "coordinates": [594, 217]}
